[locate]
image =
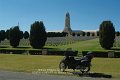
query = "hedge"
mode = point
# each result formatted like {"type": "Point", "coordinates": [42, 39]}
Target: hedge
{"type": "Point", "coordinates": [11, 51]}
{"type": "Point", "coordinates": [117, 54]}
{"type": "Point", "coordinates": [64, 53]}
{"type": "Point", "coordinates": [103, 54]}
{"type": "Point", "coordinates": [39, 52]}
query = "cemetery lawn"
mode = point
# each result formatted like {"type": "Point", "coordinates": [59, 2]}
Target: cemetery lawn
{"type": "Point", "coordinates": [110, 66]}
{"type": "Point", "coordinates": [30, 63]}
{"type": "Point", "coordinates": [86, 45]}
{"type": "Point", "coordinates": [91, 45]}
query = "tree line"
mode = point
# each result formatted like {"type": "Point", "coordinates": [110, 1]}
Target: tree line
{"type": "Point", "coordinates": [38, 35]}
{"type": "Point", "coordinates": [5, 34]}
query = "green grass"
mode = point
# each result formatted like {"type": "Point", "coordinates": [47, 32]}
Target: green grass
{"type": "Point", "coordinates": [87, 45]}
{"type": "Point", "coordinates": [82, 45]}
{"type": "Point", "coordinates": [109, 66]}
{"type": "Point", "coordinates": [29, 63]}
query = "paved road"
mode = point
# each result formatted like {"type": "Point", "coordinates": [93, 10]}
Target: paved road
{"type": "Point", "coordinates": [7, 75]}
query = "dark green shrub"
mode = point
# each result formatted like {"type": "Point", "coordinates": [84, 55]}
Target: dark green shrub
{"type": "Point", "coordinates": [83, 34]}
{"type": "Point", "coordinates": [38, 35]}
{"type": "Point", "coordinates": [56, 34]}
{"type": "Point", "coordinates": [97, 33]}
{"type": "Point", "coordinates": [97, 53]}
{"type": "Point", "coordinates": [2, 35]}
{"type": "Point", "coordinates": [21, 34]}
{"type": "Point", "coordinates": [7, 34]}
{"type": "Point", "coordinates": [73, 34]}
{"type": "Point", "coordinates": [106, 34]}
{"type": "Point", "coordinates": [78, 34]}
{"type": "Point", "coordinates": [117, 33]}
{"type": "Point", "coordinates": [26, 35]}
{"type": "Point", "coordinates": [93, 34]}
{"type": "Point", "coordinates": [103, 54]}
{"type": "Point", "coordinates": [88, 33]}
{"type": "Point", "coordinates": [15, 36]}
{"type": "Point", "coordinates": [35, 52]}
{"type": "Point", "coordinates": [117, 54]}
{"type": "Point", "coordinates": [63, 53]}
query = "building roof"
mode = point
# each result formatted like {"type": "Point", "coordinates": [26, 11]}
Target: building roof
{"type": "Point", "coordinates": [77, 31]}
{"type": "Point", "coordinates": [56, 31]}
{"type": "Point", "coordinates": [90, 30]}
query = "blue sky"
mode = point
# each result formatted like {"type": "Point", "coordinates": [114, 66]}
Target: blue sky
{"type": "Point", "coordinates": [84, 14]}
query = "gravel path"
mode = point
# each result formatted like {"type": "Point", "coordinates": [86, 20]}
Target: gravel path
{"type": "Point", "coordinates": [7, 75]}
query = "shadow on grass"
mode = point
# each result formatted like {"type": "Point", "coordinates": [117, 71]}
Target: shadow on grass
{"type": "Point", "coordinates": [33, 48]}
{"type": "Point", "coordinates": [51, 48]}
{"type": "Point", "coordinates": [117, 49]}
{"type": "Point", "coordinates": [94, 75]}
{"type": "Point", "coordinates": [23, 47]}
{"type": "Point", "coordinates": [3, 47]}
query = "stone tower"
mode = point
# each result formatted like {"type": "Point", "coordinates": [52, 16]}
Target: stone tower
{"type": "Point", "coordinates": [67, 27]}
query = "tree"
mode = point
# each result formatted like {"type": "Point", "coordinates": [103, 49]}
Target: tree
{"type": "Point", "coordinates": [38, 35]}
{"type": "Point", "coordinates": [56, 34]}
{"type": "Point", "coordinates": [2, 35]}
{"type": "Point", "coordinates": [117, 33]}
{"type": "Point", "coordinates": [97, 33]}
{"type": "Point", "coordinates": [21, 34]}
{"type": "Point", "coordinates": [26, 35]}
{"type": "Point", "coordinates": [83, 33]}
{"type": "Point", "coordinates": [64, 34]}
{"type": "Point", "coordinates": [106, 34]}
{"type": "Point", "coordinates": [15, 36]}
{"type": "Point", "coordinates": [93, 34]}
{"type": "Point", "coordinates": [78, 34]}
{"type": "Point", "coordinates": [73, 34]}
{"type": "Point", "coordinates": [7, 34]}
{"type": "Point", "coordinates": [88, 33]}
